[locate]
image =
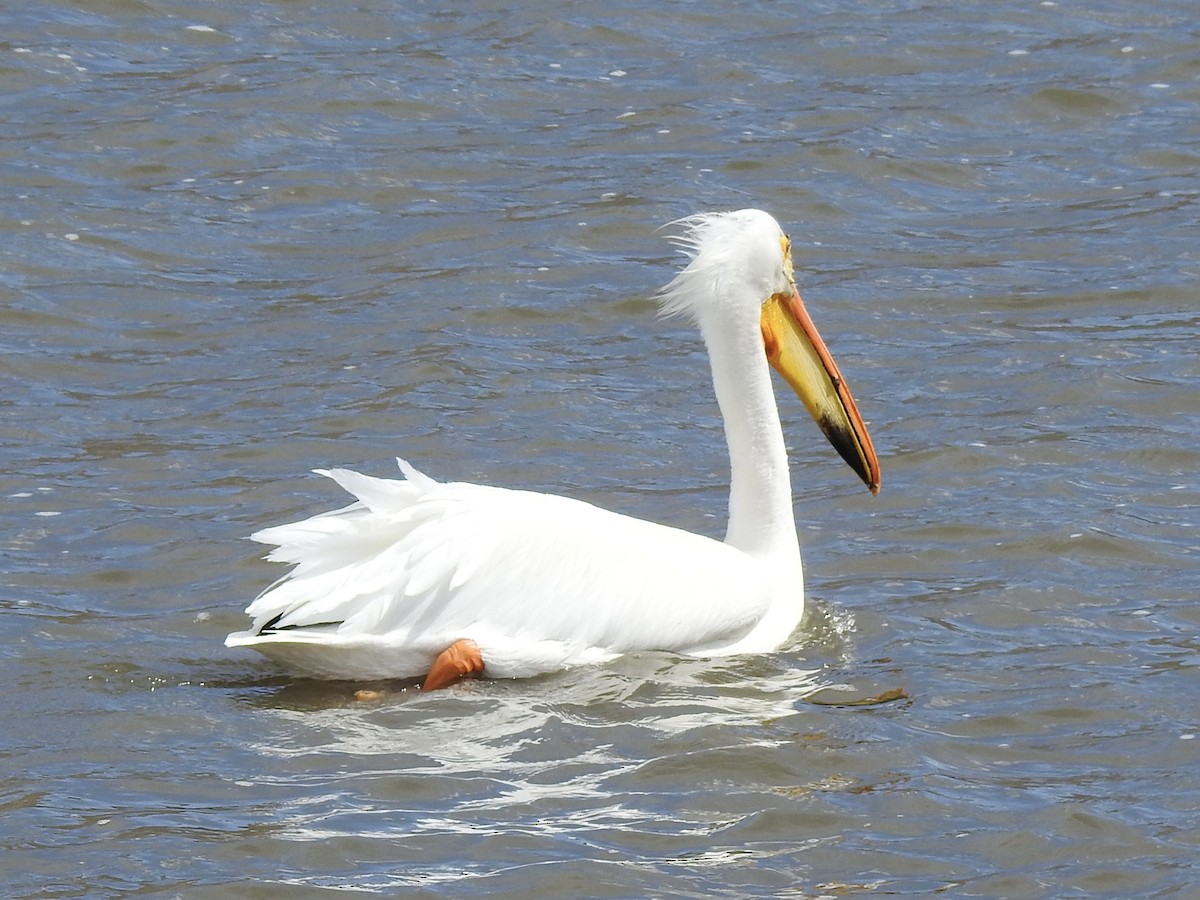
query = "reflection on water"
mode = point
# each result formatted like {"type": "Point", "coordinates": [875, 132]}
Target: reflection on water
{"type": "Point", "coordinates": [560, 758]}
{"type": "Point", "coordinates": [243, 242]}
{"type": "Point", "coordinates": [661, 693]}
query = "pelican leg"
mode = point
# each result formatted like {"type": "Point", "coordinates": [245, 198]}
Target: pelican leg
{"type": "Point", "coordinates": [460, 659]}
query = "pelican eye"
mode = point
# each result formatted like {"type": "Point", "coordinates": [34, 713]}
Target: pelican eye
{"type": "Point", "coordinates": [785, 244]}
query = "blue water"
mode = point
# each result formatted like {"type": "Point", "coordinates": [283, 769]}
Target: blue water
{"type": "Point", "coordinates": [241, 242]}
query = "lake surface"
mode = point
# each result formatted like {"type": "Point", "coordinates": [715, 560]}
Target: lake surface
{"type": "Point", "coordinates": [242, 241]}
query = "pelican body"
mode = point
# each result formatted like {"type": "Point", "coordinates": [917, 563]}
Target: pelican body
{"type": "Point", "coordinates": [442, 580]}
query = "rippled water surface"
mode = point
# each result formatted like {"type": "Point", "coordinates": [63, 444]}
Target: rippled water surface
{"type": "Point", "coordinates": [241, 241]}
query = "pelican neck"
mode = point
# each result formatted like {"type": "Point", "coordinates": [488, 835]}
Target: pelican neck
{"type": "Point", "coordinates": [761, 521]}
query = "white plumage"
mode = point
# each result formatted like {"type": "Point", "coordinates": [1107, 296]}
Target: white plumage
{"type": "Point", "coordinates": [537, 582]}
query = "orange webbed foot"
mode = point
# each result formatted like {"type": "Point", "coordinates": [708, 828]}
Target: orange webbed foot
{"type": "Point", "coordinates": [460, 659]}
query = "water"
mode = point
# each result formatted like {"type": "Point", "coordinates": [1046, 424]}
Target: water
{"type": "Point", "coordinates": [243, 241]}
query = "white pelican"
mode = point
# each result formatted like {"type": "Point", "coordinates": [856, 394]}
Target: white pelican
{"type": "Point", "coordinates": [419, 578]}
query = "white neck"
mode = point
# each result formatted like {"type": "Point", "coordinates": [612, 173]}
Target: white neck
{"type": "Point", "coordinates": [761, 521]}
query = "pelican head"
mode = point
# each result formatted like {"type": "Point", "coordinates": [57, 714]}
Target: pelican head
{"type": "Point", "coordinates": [740, 271]}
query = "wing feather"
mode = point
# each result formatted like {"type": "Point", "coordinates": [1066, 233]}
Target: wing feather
{"type": "Point", "coordinates": [419, 560]}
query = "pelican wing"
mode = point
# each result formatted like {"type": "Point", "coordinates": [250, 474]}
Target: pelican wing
{"type": "Point", "coordinates": [537, 581]}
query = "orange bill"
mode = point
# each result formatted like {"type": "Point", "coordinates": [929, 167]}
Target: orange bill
{"type": "Point", "coordinates": [796, 351]}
